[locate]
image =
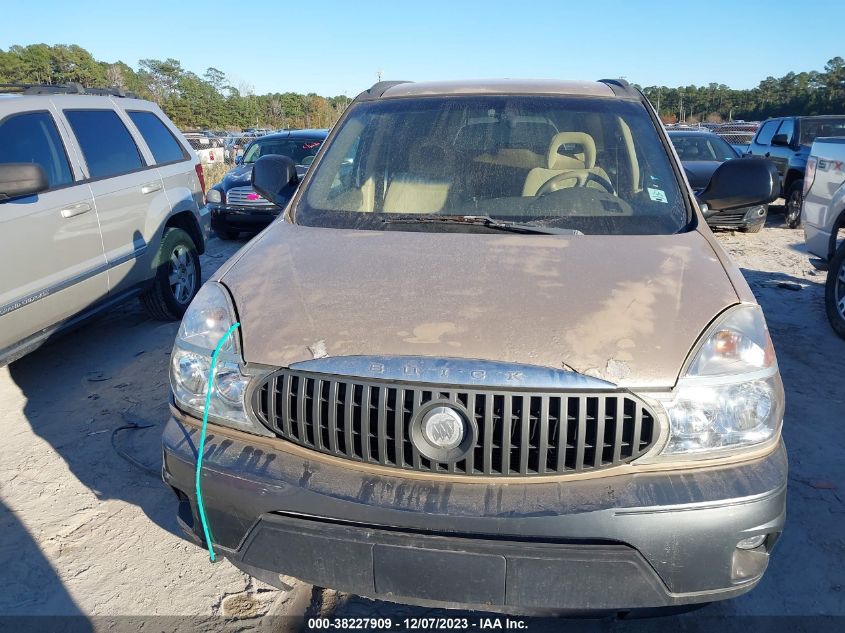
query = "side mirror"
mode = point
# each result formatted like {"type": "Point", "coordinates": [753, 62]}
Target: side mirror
{"type": "Point", "coordinates": [782, 140]}
{"type": "Point", "coordinates": [18, 180]}
{"type": "Point", "coordinates": [275, 178]}
{"type": "Point", "coordinates": [740, 183]}
{"type": "Point", "coordinates": [239, 159]}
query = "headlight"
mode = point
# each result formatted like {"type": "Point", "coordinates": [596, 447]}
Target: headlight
{"type": "Point", "coordinates": [730, 396]}
{"type": "Point", "coordinates": [206, 321]}
{"type": "Point", "coordinates": [214, 196]}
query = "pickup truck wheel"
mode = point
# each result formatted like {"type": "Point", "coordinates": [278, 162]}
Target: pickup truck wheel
{"type": "Point", "coordinates": [834, 295]}
{"type": "Point", "coordinates": [227, 235]}
{"type": "Point", "coordinates": [177, 279]}
{"type": "Point", "coordinates": [793, 205]}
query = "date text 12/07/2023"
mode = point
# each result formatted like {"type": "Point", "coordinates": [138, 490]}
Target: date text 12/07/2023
{"type": "Point", "coordinates": [421, 623]}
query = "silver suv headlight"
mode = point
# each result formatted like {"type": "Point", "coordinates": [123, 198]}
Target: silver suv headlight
{"type": "Point", "coordinates": [206, 321]}
{"type": "Point", "coordinates": [730, 396]}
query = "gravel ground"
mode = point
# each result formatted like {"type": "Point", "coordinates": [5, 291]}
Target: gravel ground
{"type": "Point", "coordinates": [86, 533]}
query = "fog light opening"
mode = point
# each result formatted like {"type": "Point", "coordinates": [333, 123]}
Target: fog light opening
{"type": "Point", "coordinates": [752, 542]}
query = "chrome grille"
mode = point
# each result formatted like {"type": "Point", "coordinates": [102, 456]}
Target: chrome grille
{"type": "Point", "coordinates": [245, 197]}
{"type": "Point", "coordinates": [519, 433]}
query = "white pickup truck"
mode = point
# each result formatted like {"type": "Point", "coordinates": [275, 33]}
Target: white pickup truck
{"type": "Point", "coordinates": [824, 221]}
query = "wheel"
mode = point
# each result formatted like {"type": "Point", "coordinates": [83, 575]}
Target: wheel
{"type": "Point", "coordinates": [227, 235]}
{"type": "Point", "coordinates": [754, 228]}
{"type": "Point", "coordinates": [177, 279]}
{"type": "Point", "coordinates": [793, 205]}
{"type": "Point", "coordinates": [834, 292]}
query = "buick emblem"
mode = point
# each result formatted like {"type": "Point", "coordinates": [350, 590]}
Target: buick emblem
{"type": "Point", "coordinates": [443, 428]}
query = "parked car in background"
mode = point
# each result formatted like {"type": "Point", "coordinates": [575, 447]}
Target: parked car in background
{"type": "Point", "coordinates": [786, 141]}
{"type": "Point", "coordinates": [234, 205]}
{"type": "Point", "coordinates": [490, 357]}
{"type": "Point", "coordinates": [739, 134]}
{"type": "Point", "coordinates": [209, 149]}
{"type": "Point", "coordinates": [701, 153]}
{"type": "Point", "coordinates": [101, 199]}
{"type": "Point", "coordinates": [824, 221]}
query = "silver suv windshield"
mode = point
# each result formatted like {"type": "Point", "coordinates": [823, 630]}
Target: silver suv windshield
{"type": "Point", "coordinates": [592, 165]}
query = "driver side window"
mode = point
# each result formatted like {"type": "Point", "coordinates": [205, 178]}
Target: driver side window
{"type": "Point", "coordinates": [34, 138]}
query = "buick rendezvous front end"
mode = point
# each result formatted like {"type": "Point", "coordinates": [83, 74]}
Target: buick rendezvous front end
{"type": "Point", "coordinates": [498, 361]}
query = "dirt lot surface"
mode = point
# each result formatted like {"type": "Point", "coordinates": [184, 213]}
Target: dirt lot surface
{"type": "Point", "coordinates": [85, 532]}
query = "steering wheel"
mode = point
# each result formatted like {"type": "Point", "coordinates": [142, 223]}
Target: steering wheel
{"type": "Point", "coordinates": [581, 178]}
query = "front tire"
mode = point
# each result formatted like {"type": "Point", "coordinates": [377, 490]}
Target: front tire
{"type": "Point", "coordinates": [793, 205]}
{"type": "Point", "coordinates": [834, 292]}
{"type": "Point", "coordinates": [177, 279]}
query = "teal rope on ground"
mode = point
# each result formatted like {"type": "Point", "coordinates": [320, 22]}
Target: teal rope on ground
{"type": "Point", "coordinates": [206, 530]}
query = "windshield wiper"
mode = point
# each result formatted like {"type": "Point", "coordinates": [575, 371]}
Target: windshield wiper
{"type": "Point", "coordinates": [483, 220]}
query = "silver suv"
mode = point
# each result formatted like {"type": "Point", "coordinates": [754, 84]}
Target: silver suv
{"type": "Point", "coordinates": [101, 199]}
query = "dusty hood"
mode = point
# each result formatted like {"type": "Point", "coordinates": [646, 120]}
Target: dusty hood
{"type": "Point", "coordinates": [237, 177]}
{"type": "Point", "coordinates": [624, 308]}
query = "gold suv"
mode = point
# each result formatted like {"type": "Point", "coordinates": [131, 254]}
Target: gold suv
{"type": "Point", "coordinates": [489, 355]}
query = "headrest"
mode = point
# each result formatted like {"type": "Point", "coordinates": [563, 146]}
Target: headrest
{"type": "Point", "coordinates": [558, 161]}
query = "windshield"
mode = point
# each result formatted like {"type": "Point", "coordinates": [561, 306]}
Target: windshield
{"type": "Point", "coordinates": [588, 164]}
{"type": "Point", "coordinates": [691, 147]}
{"type": "Point", "coordinates": [811, 129]}
{"type": "Point", "coordinates": [302, 151]}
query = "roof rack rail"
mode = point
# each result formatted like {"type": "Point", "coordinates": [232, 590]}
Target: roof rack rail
{"type": "Point", "coordinates": [621, 88]}
{"type": "Point", "coordinates": [64, 89]}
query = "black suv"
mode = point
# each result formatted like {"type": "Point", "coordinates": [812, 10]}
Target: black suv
{"type": "Point", "coordinates": [786, 141]}
{"type": "Point", "coordinates": [233, 203]}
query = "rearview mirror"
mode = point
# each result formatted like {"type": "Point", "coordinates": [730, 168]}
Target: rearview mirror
{"type": "Point", "coordinates": [275, 178]}
{"type": "Point", "coordinates": [781, 140]}
{"type": "Point", "coordinates": [21, 179]}
{"type": "Point", "coordinates": [740, 183]}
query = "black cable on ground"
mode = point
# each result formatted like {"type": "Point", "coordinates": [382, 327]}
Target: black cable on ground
{"type": "Point", "coordinates": [134, 426]}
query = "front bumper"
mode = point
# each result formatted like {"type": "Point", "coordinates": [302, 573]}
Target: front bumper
{"type": "Point", "coordinates": [739, 218]}
{"type": "Point", "coordinates": [608, 543]}
{"type": "Point", "coordinates": [233, 218]}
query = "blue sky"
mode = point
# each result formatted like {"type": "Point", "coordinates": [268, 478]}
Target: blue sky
{"type": "Point", "coordinates": [336, 47]}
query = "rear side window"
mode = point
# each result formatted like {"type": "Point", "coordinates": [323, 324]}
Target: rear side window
{"type": "Point", "coordinates": [162, 143]}
{"type": "Point", "coordinates": [33, 138]}
{"type": "Point", "coordinates": [767, 132]}
{"type": "Point", "coordinates": [105, 142]}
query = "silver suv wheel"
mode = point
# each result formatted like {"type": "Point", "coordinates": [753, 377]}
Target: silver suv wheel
{"type": "Point", "coordinates": [182, 274]}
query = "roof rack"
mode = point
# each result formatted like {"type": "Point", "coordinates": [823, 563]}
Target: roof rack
{"type": "Point", "coordinates": [64, 89]}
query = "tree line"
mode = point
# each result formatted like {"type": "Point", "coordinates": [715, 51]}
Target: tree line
{"type": "Point", "coordinates": [804, 93]}
{"type": "Point", "coordinates": [211, 102]}
{"type": "Point", "coordinates": [190, 100]}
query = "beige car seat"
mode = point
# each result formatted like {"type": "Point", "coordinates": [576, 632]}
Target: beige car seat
{"type": "Point", "coordinates": [557, 163]}
{"type": "Point", "coordinates": [425, 188]}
